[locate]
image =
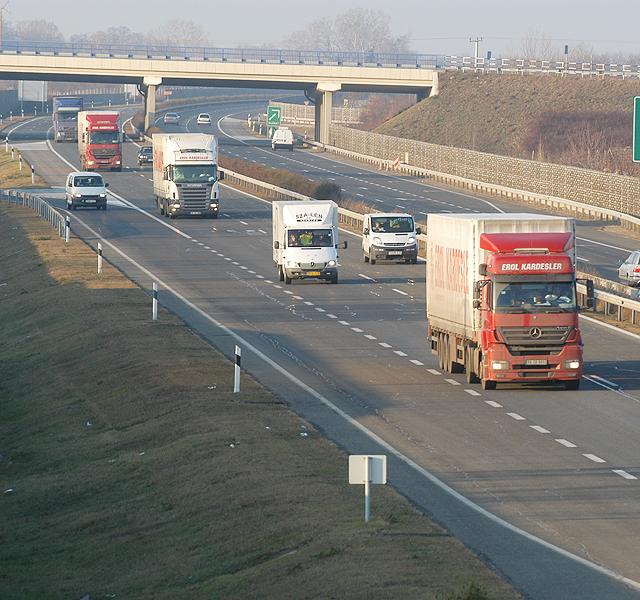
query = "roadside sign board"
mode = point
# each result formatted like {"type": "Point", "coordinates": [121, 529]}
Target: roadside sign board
{"type": "Point", "coordinates": [375, 464]}
{"type": "Point", "coordinates": [274, 114]}
{"type": "Point", "coordinates": [636, 129]}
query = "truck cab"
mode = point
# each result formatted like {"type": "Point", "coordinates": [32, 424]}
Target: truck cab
{"type": "Point", "coordinates": [389, 236]}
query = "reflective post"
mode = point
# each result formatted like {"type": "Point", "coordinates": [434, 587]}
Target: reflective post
{"type": "Point", "coordinates": [99, 257]}
{"type": "Point", "coordinates": [155, 301]}
{"type": "Point", "coordinates": [33, 175]}
{"type": "Point", "coordinates": [236, 370]}
{"type": "Point", "coordinates": [67, 229]}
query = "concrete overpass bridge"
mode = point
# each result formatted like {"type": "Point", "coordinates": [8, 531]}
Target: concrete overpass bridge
{"type": "Point", "coordinates": [318, 74]}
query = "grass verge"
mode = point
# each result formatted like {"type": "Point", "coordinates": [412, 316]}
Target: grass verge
{"type": "Point", "coordinates": [129, 469]}
{"type": "Point", "coordinates": [12, 177]}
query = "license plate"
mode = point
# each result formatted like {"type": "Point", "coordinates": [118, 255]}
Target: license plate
{"type": "Point", "coordinates": [535, 361]}
{"type": "Point", "coordinates": [313, 273]}
{"type": "Point", "coordinates": [394, 252]}
{"type": "Point", "coordinates": [89, 201]}
{"type": "Point", "coordinates": [195, 212]}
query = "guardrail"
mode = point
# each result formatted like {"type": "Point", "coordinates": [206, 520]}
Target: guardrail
{"type": "Point", "coordinates": [36, 203]}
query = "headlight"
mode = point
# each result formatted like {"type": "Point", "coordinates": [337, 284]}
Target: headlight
{"type": "Point", "coordinates": [91, 162]}
{"type": "Point", "coordinates": [214, 205]}
{"type": "Point", "coordinates": [499, 365]}
{"type": "Point", "coordinates": [571, 364]}
{"type": "Point", "coordinates": [377, 241]}
{"type": "Point", "coordinates": [77, 195]}
{"type": "Point", "coordinates": [175, 205]}
{"type": "Point", "coordinates": [103, 195]}
{"type": "Point", "coordinates": [411, 240]}
{"type": "Point", "coordinates": [117, 162]}
{"type": "Point", "coordinates": [331, 263]}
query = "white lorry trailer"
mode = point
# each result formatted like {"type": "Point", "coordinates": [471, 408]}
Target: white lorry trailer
{"type": "Point", "coordinates": [501, 297]}
{"type": "Point", "coordinates": [305, 240]}
{"type": "Point", "coordinates": [186, 175]}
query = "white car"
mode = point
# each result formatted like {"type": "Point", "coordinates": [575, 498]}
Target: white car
{"type": "Point", "coordinates": [204, 119]}
{"type": "Point", "coordinates": [171, 118]}
{"type": "Point", "coordinates": [282, 138]}
{"type": "Point", "coordinates": [84, 188]}
{"type": "Point", "coordinates": [629, 270]}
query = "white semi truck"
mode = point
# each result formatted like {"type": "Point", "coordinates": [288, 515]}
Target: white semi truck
{"type": "Point", "coordinates": [305, 240]}
{"type": "Point", "coordinates": [186, 175]}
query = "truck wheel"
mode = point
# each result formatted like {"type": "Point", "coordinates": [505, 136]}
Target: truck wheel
{"type": "Point", "coordinates": [160, 205]}
{"type": "Point", "coordinates": [488, 385]}
{"type": "Point", "coordinates": [372, 260]}
{"type": "Point", "coordinates": [414, 261]}
{"type": "Point", "coordinates": [446, 354]}
{"type": "Point", "coordinates": [287, 280]}
{"type": "Point", "coordinates": [469, 368]}
{"type": "Point", "coordinates": [334, 279]}
{"type": "Point", "coordinates": [365, 257]}
{"type": "Point", "coordinates": [280, 273]}
{"type": "Point", "coordinates": [440, 352]}
{"type": "Point", "coordinates": [572, 385]}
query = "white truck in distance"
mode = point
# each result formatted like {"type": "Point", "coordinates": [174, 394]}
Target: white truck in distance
{"type": "Point", "coordinates": [305, 240]}
{"type": "Point", "coordinates": [185, 174]}
{"type": "Point", "coordinates": [389, 236]}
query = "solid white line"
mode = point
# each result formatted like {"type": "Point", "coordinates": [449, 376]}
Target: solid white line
{"type": "Point", "coordinates": [434, 372]}
{"type": "Point", "coordinates": [400, 292]}
{"type": "Point", "coordinates": [374, 437]}
{"type": "Point", "coordinates": [566, 443]}
{"type": "Point", "coordinates": [539, 429]}
{"type": "Point", "coordinates": [603, 244]}
{"type": "Point", "coordinates": [472, 392]}
{"type": "Point", "coordinates": [605, 381]}
{"type": "Point", "coordinates": [594, 458]}
{"type": "Point", "coordinates": [493, 403]}
{"type": "Point", "coordinates": [582, 259]}
{"type": "Point", "coordinates": [452, 381]}
{"type": "Point", "coordinates": [624, 474]}
{"type": "Point", "coordinates": [417, 362]}
{"type": "Point", "coordinates": [516, 416]}
{"type": "Point", "coordinates": [365, 277]}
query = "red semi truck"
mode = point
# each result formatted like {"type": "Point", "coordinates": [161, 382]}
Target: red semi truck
{"type": "Point", "coordinates": [501, 298]}
{"type": "Point", "coordinates": [100, 140]}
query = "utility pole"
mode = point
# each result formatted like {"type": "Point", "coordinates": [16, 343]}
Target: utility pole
{"type": "Point", "coordinates": [476, 53]}
{"type": "Point", "coordinates": [2, 9]}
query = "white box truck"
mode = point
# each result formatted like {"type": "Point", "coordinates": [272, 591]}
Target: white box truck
{"type": "Point", "coordinates": [305, 240]}
{"type": "Point", "coordinates": [186, 175]}
{"type": "Point", "coordinates": [389, 236]}
{"type": "Point", "coordinates": [501, 297]}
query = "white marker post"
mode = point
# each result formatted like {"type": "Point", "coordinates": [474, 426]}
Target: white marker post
{"type": "Point", "coordinates": [155, 301]}
{"type": "Point", "coordinates": [33, 175]}
{"type": "Point", "coordinates": [99, 257]}
{"type": "Point", "coordinates": [67, 229]}
{"type": "Point", "coordinates": [236, 370]}
{"type": "Point", "coordinates": [365, 469]}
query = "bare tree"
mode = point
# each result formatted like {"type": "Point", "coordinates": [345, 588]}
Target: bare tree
{"type": "Point", "coordinates": [536, 46]}
{"type": "Point", "coordinates": [355, 30]}
{"type": "Point", "coordinates": [179, 33]}
{"type": "Point", "coordinates": [36, 30]}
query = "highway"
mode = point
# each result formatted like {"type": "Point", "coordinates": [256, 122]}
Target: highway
{"type": "Point", "coordinates": [541, 482]}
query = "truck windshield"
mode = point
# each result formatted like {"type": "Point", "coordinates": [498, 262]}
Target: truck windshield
{"type": "Point", "coordinates": [105, 137]}
{"type": "Point", "coordinates": [310, 238]}
{"type": "Point", "coordinates": [194, 173]}
{"type": "Point", "coordinates": [67, 116]}
{"type": "Point", "coordinates": [531, 296]}
{"type": "Point", "coordinates": [391, 224]}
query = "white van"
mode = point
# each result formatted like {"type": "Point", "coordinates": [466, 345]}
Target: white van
{"type": "Point", "coordinates": [389, 236]}
{"type": "Point", "coordinates": [282, 138]}
{"type": "Point", "coordinates": [85, 188]}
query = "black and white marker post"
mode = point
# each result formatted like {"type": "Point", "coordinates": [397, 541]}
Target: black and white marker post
{"type": "Point", "coordinates": [236, 373]}
{"type": "Point", "coordinates": [99, 257]}
{"type": "Point", "coordinates": [155, 301]}
{"type": "Point", "coordinates": [33, 175]}
{"type": "Point", "coordinates": [67, 229]}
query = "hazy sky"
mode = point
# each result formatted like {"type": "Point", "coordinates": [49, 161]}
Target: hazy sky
{"type": "Point", "coordinates": [442, 27]}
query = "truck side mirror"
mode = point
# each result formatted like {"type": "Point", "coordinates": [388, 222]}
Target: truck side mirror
{"type": "Point", "coordinates": [106, 185]}
{"type": "Point", "coordinates": [220, 175]}
{"type": "Point", "coordinates": [276, 244]}
{"type": "Point", "coordinates": [366, 231]}
{"type": "Point", "coordinates": [418, 230]}
{"type": "Point", "coordinates": [590, 295]}
{"type": "Point", "coordinates": [482, 269]}
{"type": "Point", "coordinates": [477, 304]}
{"type": "Point", "coordinates": [345, 245]}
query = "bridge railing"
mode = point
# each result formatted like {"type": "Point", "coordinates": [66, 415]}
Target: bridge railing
{"type": "Point", "coordinates": [235, 55]}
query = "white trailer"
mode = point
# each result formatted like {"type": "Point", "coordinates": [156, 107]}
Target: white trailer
{"type": "Point", "coordinates": [305, 240]}
{"type": "Point", "coordinates": [186, 175]}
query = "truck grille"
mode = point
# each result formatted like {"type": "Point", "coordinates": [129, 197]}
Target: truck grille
{"type": "Point", "coordinates": [534, 340]}
{"type": "Point", "coordinates": [195, 198]}
{"type": "Point", "coordinates": [102, 153]}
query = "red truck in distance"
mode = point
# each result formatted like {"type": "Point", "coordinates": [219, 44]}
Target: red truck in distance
{"type": "Point", "coordinates": [502, 300]}
{"type": "Point", "coordinates": [100, 140]}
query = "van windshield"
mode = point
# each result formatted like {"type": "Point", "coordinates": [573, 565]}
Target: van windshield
{"type": "Point", "coordinates": [194, 173]}
{"type": "Point", "coordinates": [88, 181]}
{"type": "Point", "coordinates": [311, 238]}
{"type": "Point", "coordinates": [392, 224]}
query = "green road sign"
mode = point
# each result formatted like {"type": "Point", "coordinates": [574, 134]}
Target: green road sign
{"type": "Point", "coordinates": [636, 129]}
{"type": "Point", "coordinates": [274, 114]}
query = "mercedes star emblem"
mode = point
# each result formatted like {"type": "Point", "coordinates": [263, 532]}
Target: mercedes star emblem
{"type": "Point", "coordinates": [535, 333]}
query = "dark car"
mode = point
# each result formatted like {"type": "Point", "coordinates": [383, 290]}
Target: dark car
{"type": "Point", "coordinates": [145, 156]}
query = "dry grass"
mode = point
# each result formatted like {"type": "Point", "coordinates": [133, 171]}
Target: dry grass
{"type": "Point", "coordinates": [135, 472]}
{"type": "Point", "coordinates": [11, 177]}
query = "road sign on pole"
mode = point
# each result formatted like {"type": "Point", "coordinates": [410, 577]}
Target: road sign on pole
{"type": "Point", "coordinates": [636, 129]}
{"type": "Point", "coordinates": [365, 469]}
{"type": "Point", "coordinates": [274, 115]}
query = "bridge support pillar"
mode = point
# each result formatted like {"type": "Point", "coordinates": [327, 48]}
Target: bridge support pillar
{"type": "Point", "coordinates": [324, 105]}
{"type": "Point", "coordinates": [151, 84]}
